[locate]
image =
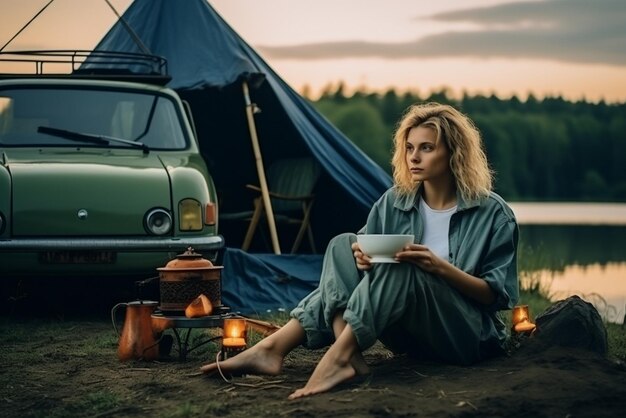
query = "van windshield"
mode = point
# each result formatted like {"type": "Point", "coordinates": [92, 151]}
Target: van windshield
{"type": "Point", "coordinates": [149, 119]}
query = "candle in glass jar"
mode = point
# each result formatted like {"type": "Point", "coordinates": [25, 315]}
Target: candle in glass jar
{"type": "Point", "coordinates": [520, 313]}
{"type": "Point", "coordinates": [234, 335]}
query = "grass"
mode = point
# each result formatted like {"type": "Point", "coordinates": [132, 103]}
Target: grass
{"type": "Point", "coordinates": [534, 293]}
{"type": "Point", "coordinates": [616, 336]}
{"type": "Point", "coordinates": [101, 403]}
{"type": "Point", "coordinates": [204, 409]}
{"type": "Point", "coordinates": [95, 403]}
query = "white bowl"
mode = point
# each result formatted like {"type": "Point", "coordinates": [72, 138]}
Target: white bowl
{"type": "Point", "coordinates": [382, 247]}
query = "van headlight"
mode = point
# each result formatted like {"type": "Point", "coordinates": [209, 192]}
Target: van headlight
{"type": "Point", "coordinates": [158, 222]}
{"type": "Point", "coordinates": [189, 215]}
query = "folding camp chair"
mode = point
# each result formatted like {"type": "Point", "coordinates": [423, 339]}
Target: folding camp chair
{"type": "Point", "coordinates": [290, 183]}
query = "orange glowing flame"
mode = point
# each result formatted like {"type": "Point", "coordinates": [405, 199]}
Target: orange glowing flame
{"type": "Point", "coordinates": [234, 332]}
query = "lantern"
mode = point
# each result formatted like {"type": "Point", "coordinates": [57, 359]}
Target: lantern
{"type": "Point", "coordinates": [521, 319]}
{"type": "Point", "coordinates": [234, 336]}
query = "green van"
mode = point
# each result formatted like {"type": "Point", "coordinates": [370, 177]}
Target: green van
{"type": "Point", "coordinates": [100, 171]}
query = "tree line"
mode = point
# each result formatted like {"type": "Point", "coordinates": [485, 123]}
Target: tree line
{"type": "Point", "coordinates": [540, 150]}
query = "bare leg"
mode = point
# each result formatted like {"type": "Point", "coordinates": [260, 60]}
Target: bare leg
{"type": "Point", "coordinates": [357, 360]}
{"type": "Point", "coordinates": [265, 357]}
{"type": "Point", "coordinates": [333, 368]}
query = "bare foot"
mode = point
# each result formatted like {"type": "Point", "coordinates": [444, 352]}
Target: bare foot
{"type": "Point", "coordinates": [259, 359]}
{"type": "Point", "coordinates": [328, 374]}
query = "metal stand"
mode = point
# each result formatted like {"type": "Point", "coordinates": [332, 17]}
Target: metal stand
{"type": "Point", "coordinates": [183, 346]}
{"type": "Point", "coordinates": [177, 323]}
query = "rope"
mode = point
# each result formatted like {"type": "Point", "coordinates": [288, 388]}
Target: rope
{"type": "Point", "coordinates": [24, 27]}
{"type": "Point", "coordinates": [130, 30]}
{"type": "Point", "coordinates": [219, 369]}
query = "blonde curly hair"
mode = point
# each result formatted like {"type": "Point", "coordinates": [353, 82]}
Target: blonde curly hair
{"type": "Point", "coordinates": [468, 161]}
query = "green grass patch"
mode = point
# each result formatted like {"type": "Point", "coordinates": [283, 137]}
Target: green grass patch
{"type": "Point", "coordinates": [616, 335]}
{"type": "Point", "coordinates": [537, 303]}
{"type": "Point", "coordinates": [206, 409]}
{"type": "Point", "coordinates": [93, 404]}
{"type": "Point", "coordinates": [96, 402]}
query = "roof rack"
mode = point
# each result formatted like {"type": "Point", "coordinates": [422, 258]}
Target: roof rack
{"type": "Point", "coordinates": [109, 65]}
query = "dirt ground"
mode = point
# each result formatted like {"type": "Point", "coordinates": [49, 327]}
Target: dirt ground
{"type": "Point", "coordinates": [60, 367]}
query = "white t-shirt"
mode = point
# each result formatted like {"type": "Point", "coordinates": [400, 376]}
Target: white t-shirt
{"type": "Point", "coordinates": [436, 228]}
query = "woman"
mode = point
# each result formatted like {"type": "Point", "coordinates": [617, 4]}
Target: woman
{"type": "Point", "coordinates": [440, 301]}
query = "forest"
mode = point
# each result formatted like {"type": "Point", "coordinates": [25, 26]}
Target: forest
{"type": "Point", "coordinates": [548, 149]}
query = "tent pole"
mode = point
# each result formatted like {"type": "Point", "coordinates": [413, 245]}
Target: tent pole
{"type": "Point", "coordinates": [271, 222]}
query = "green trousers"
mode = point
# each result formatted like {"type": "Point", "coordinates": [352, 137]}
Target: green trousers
{"type": "Point", "coordinates": [407, 309]}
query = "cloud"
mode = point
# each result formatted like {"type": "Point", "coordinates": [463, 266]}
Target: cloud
{"type": "Point", "coordinates": [580, 31]}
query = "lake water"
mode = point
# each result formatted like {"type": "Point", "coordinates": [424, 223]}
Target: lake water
{"type": "Point", "coordinates": [576, 248]}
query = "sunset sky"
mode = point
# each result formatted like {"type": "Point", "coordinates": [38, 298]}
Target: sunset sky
{"type": "Point", "coordinates": [574, 48]}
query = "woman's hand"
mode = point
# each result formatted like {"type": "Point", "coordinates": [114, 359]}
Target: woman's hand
{"type": "Point", "coordinates": [469, 285]}
{"type": "Point", "coordinates": [362, 260]}
{"type": "Point", "coordinates": [422, 257]}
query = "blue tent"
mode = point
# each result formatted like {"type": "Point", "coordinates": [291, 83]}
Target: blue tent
{"type": "Point", "coordinates": [208, 62]}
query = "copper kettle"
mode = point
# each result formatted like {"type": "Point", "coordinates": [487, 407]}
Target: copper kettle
{"type": "Point", "coordinates": [138, 340]}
